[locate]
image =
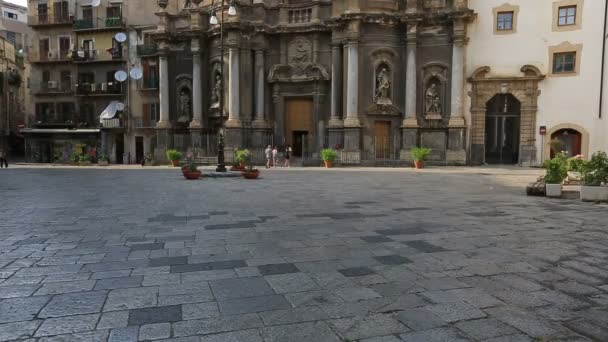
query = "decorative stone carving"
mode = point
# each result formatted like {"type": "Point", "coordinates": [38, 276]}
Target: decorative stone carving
{"type": "Point", "coordinates": [290, 73]}
{"type": "Point", "coordinates": [299, 51]}
{"type": "Point", "coordinates": [432, 99]}
{"type": "Point", "coordinates": [216, 92]}
{"type": "Point", "coordinates": [184, 98]}
{"type": "Point", "coordinates": [435, 82]}
{"type": "Point", "coordinates": [383, 86]}
{"type": "Point", "coordinates": [187, 3]}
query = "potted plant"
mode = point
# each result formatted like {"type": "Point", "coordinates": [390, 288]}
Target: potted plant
{"type": "Point", "coordinates": [420, 154]}
{"type": "Point", "coordinates": [329, 155]}
{"type": "Point", "coordinates": [103, 160]}
{"type": "Point", "coordinates": [575, 168]}
{"type": "Point", "coordinates": [242, 158]}
{"type": "Point", "coordinates": [190, 171]}
{"type": "Point", "coordinates": [174, 156]}
{"type": "Point", "coordinates": [85, 160]}
{"type": "Point", "coordinates": [556, 172]}
{"type": "Point", "coordinates": [249, 172]}
{"type": "Point", "coordinates": [595, 178]}
{"type": "Point", "coordinates": [75, 158]}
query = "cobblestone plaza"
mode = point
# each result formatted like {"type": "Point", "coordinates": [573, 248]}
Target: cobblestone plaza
{"type": "Point", "coordinates": [301, 255]}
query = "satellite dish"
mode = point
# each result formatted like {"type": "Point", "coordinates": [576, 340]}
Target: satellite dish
{"type": "Point", "coordinates": [21, 51]}
{"type": "Point", "coordinates": [121, 76]}
{"type": "Point", "coordinates": [95, 3]}
{"type": "Point", "coordinates": [120, 106]}
{"type": "Point", "coordinates": [137, 74]}
{"type": "Point", "coordinates": [120, 37]}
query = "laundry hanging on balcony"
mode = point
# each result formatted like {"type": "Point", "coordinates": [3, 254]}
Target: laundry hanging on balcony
{"type": "Point", "coordinates": [109, 112]}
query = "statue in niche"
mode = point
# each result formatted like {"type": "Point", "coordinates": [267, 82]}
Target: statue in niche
{"type": "Point", "coordinates": [300, 54]}
{"type": "Point", "coordinates": [184, 106]}
{"type": "Point", "coordinates": [432, 99]}
{"type": "Point", "coordinates": [216, 93]}
{"type": "Point", "coordinates": [383, 85]}
{"type": "Point", "coordinates": [187, 3]}
{"type": "Point", "coordinates": [300, 51]}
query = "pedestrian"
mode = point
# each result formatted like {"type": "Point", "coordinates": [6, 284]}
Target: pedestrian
{"type": "Point", "coordinates": [287, 156]}
{"type": "Point", "coordinates": [3, 159]}
{"type": "Point", "coordinates": [268, 153]}
{"type": "Point", "coordinates": [275, 156]}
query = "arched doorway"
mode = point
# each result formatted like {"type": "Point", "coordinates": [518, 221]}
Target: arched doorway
{"type": "Point", "coordinates": [571, 141]}
{"type": "Point", "coordinates": [502, 129]}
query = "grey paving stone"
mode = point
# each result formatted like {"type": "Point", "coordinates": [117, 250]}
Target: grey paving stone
{"type": "Point", "coordinates": [424, 247]}
{"type": "Point", "coordinates": [65, 287]}
{"type": "Point", "coordinates": [375, 239]}
{"type": "Point", "coordinates": [393, 260]}
{"type": "Point", "coordinates": [215, 265]}
{"type": "Point", "coordinates": [389, 338]}
{"type": "Point", "coordinates": [207, 275]}
{"type": "Point", "coordinates": [369, 326]}
{"type": "Point", "coordinates": [134, 298]}
{"type": "Point", "coordinates": [154, 331]}
{"type": "Point", "coordinates": [21, 309]}
{"type": "Point", "coordinates": [434, 335]}
{"type": "Point", "coordinates": [118, 283]}
{"type": "Point", "coordinates": [356, 271]}
{"type": "Point", "coordinates": [128, 334]}
{"type": "Point", "coordinates": [511, 338]}
{"type": "Point", "coordinates": [289, 283]}
{"type": "Point", "coordinates": [301, 332]}
{"type": "Point", "coordinates": [169, 261]}
{"type": "Point", "coordinates": [74, 304]}
{"type": "Point", "coordinates": [200, 288]}
{"type": "Point", "coordinates": [89, 336]}
{"type": "Point", "coordinates": [216, 325]}
{"type": "Point", "coordinates": [113, 319]}
{"type": "Point", "coordinates": [18, 330]}
{"type": "Point", "coordinates": [67, 325]}
{"type": "Point", "coordinates": [399, 231]}
{"type": "Point", "coordinates": [251, 335]}
{"type": "Point", "coordinates": [295, 315]}
{"type": "Point", "coordinates": [200, 310]}
{"type": "Point", "coordinates": [522, 320]}
{"type": "Point", "coordinates": [483, 329]}
{"type": "Point", "coordinates": [419, 319]}
{"type": "Point", "coordinates": [312, 298]}
{"type": "Point", "coordinates": [240, 288]}
{"type": "Point", "coordinates": [111, 274]}
{"type": "Point", "coordinates": [161, 279]}
{"type": "Point", "coordinates": [455, 312]}
{"type": "Point", "coordinates": [589, 329]}
{"type": "Point", "coordinates": [16, 291]}
{"type": "Point", "coordinates": [353, 294]}
{"type": "Point", "coordinates": [239, 306]}
{"type": "Point", "coordinates": [159, 314]}
{"type": "Point", "coordinates": [147, 246]}
{"type": "Point", "coordinates": [272, 269]}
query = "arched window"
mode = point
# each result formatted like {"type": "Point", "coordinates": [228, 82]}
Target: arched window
{"type": "Point", "coordinates": [568, 140]}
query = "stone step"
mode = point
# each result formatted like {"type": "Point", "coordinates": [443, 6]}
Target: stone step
{"type": "Point", "coordinates": [571, 194]}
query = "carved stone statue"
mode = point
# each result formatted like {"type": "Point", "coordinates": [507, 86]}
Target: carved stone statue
{"type": "Point", "coordinates": [300, 51]}
{"type": "Point", "coordinates": [216, 93]}
{"type": "Point", "coordinates": [383, 85]}
{"type": "Point", "coordinates": [432, 100]}
{"type": "Point", "coordinates": [184, 105]}
{"type": "Point", "coordinates": [187, 3]}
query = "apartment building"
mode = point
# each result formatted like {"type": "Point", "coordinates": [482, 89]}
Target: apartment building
{"type": "Point", "coordinates": [12, 92]}
{"type": "Point", "coordinates": [80, 79]}
{"type": "Point", "coordinates": [13, 25]}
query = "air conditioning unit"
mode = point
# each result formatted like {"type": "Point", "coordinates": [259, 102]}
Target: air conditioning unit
{"type": "Point", "coordinates": [52, 54]}
{"type": "Point", "coordinates": [104, 87]}
{"type": "Point", "coordinates": [52, 84]}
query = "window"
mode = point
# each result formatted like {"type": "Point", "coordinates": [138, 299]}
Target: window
{"type": "Point", "coordinates": [564, 62]}
{"type": "Point", "coordinates": [154, 113]}
{"type": "Point", "coordinates": [114, 12]}
{"type": "Point", "coordinates": [11, 37]}
{"type": "Point", "coordinates": [11, 15]}
{"type": "Point", "coordinates": [504, 21]}
{"type": "Point", "coordinates": [567, 16]}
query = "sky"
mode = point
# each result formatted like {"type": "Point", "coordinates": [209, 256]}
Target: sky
{"type": "Point", "coordinates": [18, 2]}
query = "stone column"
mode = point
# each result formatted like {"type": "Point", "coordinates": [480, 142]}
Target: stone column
{"type": "Point", "coordinates": [234, 108]}
{"type": "Point", "coordinates": [456, 153]}
{"type": "Point", "coordinates": [352, 88]}
{"type": "Point", "coordinates": [259, 115]}
{"type": "Point", "coordinates": [197, 87]}
{"type": "Point", "coordinates": [163, 73]}
{"type": "Point", "coordinates": [411, 80]}
{"type": "Point", "coordinates": [336, 86]}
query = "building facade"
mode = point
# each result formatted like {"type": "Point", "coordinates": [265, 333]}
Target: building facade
{"type": "Point", "coordinates": [12, 92]}
{"type": "Point", "coordinates": [372, 78]}
{"type": "Point", "coordinates": [535, 72]}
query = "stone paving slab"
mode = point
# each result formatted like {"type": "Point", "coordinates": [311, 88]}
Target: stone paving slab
{"type": "Point", "coordinates": [366, 255]}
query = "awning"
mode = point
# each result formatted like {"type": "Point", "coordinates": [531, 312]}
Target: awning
{"type": "Point", "coordinates": [109, 112]}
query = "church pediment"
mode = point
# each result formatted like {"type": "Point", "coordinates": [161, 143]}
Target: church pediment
{"type": "Point", "coordinates": [298, 73]}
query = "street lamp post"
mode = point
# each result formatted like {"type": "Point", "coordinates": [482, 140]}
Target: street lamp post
{"type": "Point", "coordinates": [221, 167]}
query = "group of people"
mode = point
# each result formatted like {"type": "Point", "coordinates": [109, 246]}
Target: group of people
{"type": "Point", "coordinates": [3, 159]}
{"type": "Point", "coordinates": [272, 156]}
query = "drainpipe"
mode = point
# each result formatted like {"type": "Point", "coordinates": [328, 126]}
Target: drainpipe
{"type": "Point", "coordinates": [603, 60]}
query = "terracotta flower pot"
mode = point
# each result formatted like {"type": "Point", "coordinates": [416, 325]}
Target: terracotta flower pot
{"type": "Point", "coordinates": [251, 174]}
{"type": "Point", "coordinates": [191, 175]}
{"type": "Point", "coordinates": [329, 163]}
{"type": "Point", "coordinates": [419, 164]}
{"type": "Point", "coordinates": [175, 163]}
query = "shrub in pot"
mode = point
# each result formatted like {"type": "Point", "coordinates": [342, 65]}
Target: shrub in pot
{"type": "Point", "coordinates": [556, 172]}
{"type": "Point", "coordinates": [174, 156]}
{"type": "Point", "coordinates": [75, 158]}
{"type": "Point", "coordinates": [329, 155]}
{"type": "Point", "coordinates": [595, 178]}
{"type": "Point", "coordinates": [103, 160]}
{"type": "Point", "coordinates": [85, 159]}
{"type": "Point", "coordinates": [420, 154]}
{"type": "Point", "coordinates": [249, 171]}
{"type": "Point", "coordinates": [575, 168]}
{"type": "Point", "coordinates": [190, 171]}
{"type": "Point", "coordinates": [242, 158]}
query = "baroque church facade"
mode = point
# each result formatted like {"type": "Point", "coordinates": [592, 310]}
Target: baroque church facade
{"type": "Point", "coordinates": [372, 78]}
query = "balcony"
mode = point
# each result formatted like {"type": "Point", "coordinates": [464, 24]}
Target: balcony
{"type": "Point", "coordinates": [46, 20]}
{"type": "Point", "coordinates": [143, 123]}
{"type": "Point", "coordinates": [99, 89]}
{"type": "Point", "coordinates": [111, 123]}
{"type": "Point", "coordinates": [92, 24]}
{"type": "Point", "coordinates": [144, 50]}
{"type": "Point", "coordinates": [147, 84]}
{"type": "Point", "coordinates": [52, 88]}
{"type": "Point", "coordinates": [50, 57]}
{"type": "Point", "coordinates": [66, 120]}
{"type": "Point", "coordinates": [111, 55]}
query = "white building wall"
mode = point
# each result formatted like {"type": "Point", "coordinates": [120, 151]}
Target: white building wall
{"type": "Point", "coordinates": [563, 100]}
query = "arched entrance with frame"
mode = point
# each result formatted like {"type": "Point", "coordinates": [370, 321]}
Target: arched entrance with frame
{"type": "Point", "coordinates": [502, 129]}
{"type": "Point", "coordinates": [523, 89]}
{"type": "Point", "coordinates": [574, 137]}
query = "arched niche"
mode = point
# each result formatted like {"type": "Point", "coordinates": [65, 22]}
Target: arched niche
{"type": "Point", "coordinates": [183, 96]}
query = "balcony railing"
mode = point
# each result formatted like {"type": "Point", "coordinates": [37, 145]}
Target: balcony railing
{"type": "Point", "coordinates": [147, 50]}
{"type": "Point", "coordinates": [50, 56]}
{"type": "Point", "coordinates": [147, 84]}
{"type": "Point", "coordinates": [143, 123]}
{"type": "Point", "coordinates": [99, 23]}
{"type": "Point", "coordinates": [52, 87]}
{"type": "Point", "coordinates": [66, 120]}
{"type": "Point", "coordinates": [111, 123]}
{"type": "Point", "coordinates": [105, 88]}
{"type": "Point", "coordinates": [111, 54]}
{"type": "Point", "coordinates": [50, 19]}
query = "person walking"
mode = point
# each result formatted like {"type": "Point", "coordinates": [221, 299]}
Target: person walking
{"type": "Point", "coordinates": [275, 156]}
{"type": "Point", "coordinates": [287, 156]}
{"type": "Point", "coordinates": [268, 153]}
{"type": "Point", "coordinates": [3, 159]}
